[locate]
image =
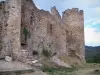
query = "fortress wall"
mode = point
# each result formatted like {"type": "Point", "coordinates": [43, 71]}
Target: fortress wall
{"type": "Point", "coordinates": [11, 28]}
{"type": "Point", "coordinates": [74, 26]}
{"type": "Point", "coordinates": [2, 7]}
{"type": "Point", "coordinates": [60, 33]}
{"type": "Point", "coordinates": [62, 36]}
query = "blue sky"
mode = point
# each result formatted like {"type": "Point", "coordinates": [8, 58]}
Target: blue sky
{"type": "Point", "coordinates": [91, 15]}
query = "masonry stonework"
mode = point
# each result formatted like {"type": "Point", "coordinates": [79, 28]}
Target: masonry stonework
{"type": "Point", "coordinates": [25, 28]}
{"type": "Point", "coordinates": [11, 28]}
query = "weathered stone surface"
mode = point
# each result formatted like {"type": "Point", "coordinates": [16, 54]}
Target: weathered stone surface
{"type": "Point", "coordinates": [25, 27]}
{"type": "Point", "coordinates": [11, 28]}
{"type": "Point", "coordinates": [55, 13]}
{"type": "Point", "coordinates": [13, 66]}
{"type": "Point", "coordinates": [73, 22]}
{"type": "Point", "coordinates": [2, 7]}
{"type": "Point", "coordinates": [59, 62]}
{"type": "Point", "coordinates": [7, 58]}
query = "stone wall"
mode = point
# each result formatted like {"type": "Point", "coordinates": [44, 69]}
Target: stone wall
{"type": "Point", "coordinates": [45, 28]}
{"type": "Point", "coordinates": [2, 7]}
{"type": "Point", "coordinates": [60, 33]}
{"type": "Point", "coordinates": [11, 28]}
{"type": "Point", "coordinates": [73, 22]}
{"type": "Point", "coordinates": [63, 37]}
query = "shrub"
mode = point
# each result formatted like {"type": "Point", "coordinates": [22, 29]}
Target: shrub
{"type": "Point", "coordinates": [26, 33]}
{"type": "Point", "coordinates": [58, 70]}
{"type": "Point", "coordinates": [46, 52]}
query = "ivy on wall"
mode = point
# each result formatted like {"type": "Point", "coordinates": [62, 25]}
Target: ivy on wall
{"type": "Point", "coordinates": [26, 33]}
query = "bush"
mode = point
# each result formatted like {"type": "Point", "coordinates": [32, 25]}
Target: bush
{"type": "Point", "coordinates": [26, 33]}
{"type": "Point", "coordinates": [46, 52]}
{"type": "Point", "coordinates": [58, 70]}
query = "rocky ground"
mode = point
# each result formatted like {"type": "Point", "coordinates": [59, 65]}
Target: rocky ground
{"type": "Point", "coordinates": [13, 66]}
{"type": "Point", "coordinates": [88, 69]}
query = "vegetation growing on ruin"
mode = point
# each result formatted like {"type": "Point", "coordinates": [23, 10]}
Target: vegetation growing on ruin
{"type": "Point", "coordinates": [26, 33]}
{"type": "Point", "coordinates": [46, 52]}
{"type": "Point", "coordinates": [58, 70]}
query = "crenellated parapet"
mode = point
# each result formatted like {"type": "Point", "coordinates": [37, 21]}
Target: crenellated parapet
{"type": "Point", "coordinates": [73, 11]}
{"type": "Point", "coordinates": [73, 17]}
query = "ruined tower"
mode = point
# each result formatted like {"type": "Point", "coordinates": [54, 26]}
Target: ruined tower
{"type": "Point", "coordinates": [73, 22]}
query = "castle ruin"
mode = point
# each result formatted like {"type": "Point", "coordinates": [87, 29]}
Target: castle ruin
{"type": "Point", "coordinates": [26, 32]}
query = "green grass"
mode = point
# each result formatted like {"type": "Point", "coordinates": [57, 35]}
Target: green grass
{"type": "Point", "coordinates": [58, 70]}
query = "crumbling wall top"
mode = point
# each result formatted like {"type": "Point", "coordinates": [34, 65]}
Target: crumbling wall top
{"type": "Point", "coordinates": [55, 13]}
{"type": "Point", "coordinates": [81, 12]}
{"type": "Point", "coordinates": [73, 11]}
{"type": "Point", "coordinates": [2, 4]}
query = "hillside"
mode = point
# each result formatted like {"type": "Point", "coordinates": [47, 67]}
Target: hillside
{"type": "Point", "coordinates": [92, 53]}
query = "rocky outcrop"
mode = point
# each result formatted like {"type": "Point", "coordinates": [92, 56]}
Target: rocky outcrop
{"type": "Point", "coordinates": [42, 34]}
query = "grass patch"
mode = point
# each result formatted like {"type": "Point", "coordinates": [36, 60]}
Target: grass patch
{"type": "Point", "coordinates": [58, 70]}
{"type": "Point", "coordinates": [18, 72]}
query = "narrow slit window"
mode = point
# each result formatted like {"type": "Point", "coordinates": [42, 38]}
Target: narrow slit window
{"type": "Point", "coordinates": [51, 28]}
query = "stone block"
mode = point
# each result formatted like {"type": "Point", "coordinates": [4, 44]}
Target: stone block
{"type": "Point", "coordinates": [8, 59]}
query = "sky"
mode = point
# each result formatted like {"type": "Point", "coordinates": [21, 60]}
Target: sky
{"type": "Point", "coordinates": [91, 15]}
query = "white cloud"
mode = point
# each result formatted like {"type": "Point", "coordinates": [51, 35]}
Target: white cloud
{"type": "Point", "coordinates": [92, 2]}
{"type": "Point", "coordinates": [96, 11]}
{"type": "Point", "coordinates": [92, 32]}
{"type": "Point", "coordinates": [81, 3]}
{"type": "Point", "coordinates": [92, 37]}
{"type": "Point", "coordinates": [96, 22]}
{"type": "Point", "coordinates": [92, 22]}
{"type": "Point", "coordinates": [2, 0]}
